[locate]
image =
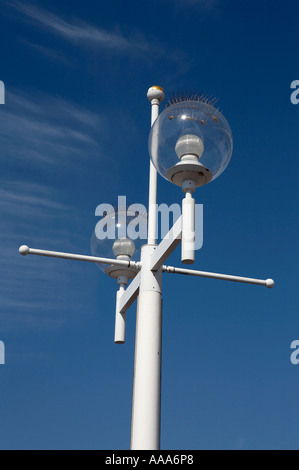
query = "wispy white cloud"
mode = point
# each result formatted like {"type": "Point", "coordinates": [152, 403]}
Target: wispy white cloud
{"type": "Point", "coordinates": [35, 212]}
{"type": "Point", "coordinates": [20, 196]}
{"type": "Point", "coordinates": [41, 319]}
{"type": "Point", "coordinates": [46, 128]}
{"type": "Point", "coordinates": [46, 51]}
{"type": "Point", "coordinates": [32, 213]}
{"type": "Point", "coordinates": [80, 32]}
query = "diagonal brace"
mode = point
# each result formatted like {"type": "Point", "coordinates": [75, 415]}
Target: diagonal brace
{"type": "Point", "coordinates": [167, 245]}
{"type": "Point", "coordinates": [130, 294]}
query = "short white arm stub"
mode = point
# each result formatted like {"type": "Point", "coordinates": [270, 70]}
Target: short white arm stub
{"type": "Point", "coordinates": [24, 250]}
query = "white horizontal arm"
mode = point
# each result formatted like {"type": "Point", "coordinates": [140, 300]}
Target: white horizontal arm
{"type": "Point", "coordinates": [25, 250]}
{"type": "Point", "coordinates": [225, 277]}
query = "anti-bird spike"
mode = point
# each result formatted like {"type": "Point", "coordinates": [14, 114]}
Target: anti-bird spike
{"type": "Point", "coordinates": [185, 95]}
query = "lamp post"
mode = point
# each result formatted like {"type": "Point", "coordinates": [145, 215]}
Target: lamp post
{"type": "Point", "coordinates": [190, 145]}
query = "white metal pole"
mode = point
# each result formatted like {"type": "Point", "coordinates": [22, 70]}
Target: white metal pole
{"type": "Point", "coordinates": [146, 401]}
{"type": "Point", "coordinates": [155, 95]}
{"type": "Point", "coordinates": [152, 212]}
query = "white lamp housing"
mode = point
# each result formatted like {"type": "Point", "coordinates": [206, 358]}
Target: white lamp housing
{"type": "Point", "coordinates": [120, 320]}
{"type": "Point", "coordinates": [189, 146]}
{"type": "Point", "coordinates": [188, 229]}
{"type": "Point", "coordinates": [123, 248]}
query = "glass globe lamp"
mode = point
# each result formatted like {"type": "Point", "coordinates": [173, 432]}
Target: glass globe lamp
{"type": "Point", "coordinates": [120, 235]}
{"type": "Point", "coordinates": [190, 141]}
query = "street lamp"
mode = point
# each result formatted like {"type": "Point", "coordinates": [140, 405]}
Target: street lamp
{"type": "Point", "coordinates": [190, 145]}
{"type": "Point", "coordinates": [116, 244]}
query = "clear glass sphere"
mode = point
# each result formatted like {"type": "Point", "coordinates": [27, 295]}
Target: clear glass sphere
{"type": "Point", "coordinates": [191, 127]}
{"type": "Point", "coordinates": [119, 234]}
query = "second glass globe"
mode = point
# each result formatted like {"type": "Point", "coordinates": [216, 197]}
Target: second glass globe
{"type": "Point", "coordinates": [120, 235]}
{"type": "Point", "coordinates": [190, 140]}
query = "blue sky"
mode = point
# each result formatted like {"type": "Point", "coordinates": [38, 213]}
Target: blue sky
{"type": "Point", "coordinates": [73, 134]}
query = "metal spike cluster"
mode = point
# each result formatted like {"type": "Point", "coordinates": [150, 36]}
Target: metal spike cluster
{"type": "Point", "coordinates": [185, 95]}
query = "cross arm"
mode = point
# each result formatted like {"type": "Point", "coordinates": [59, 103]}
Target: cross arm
{"type": "Point", "coordinates": [164, 249]}
{"type": "Point", "coordinates": [25, 250]}
{"type": "Point", "coordinates": [225, 277]}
